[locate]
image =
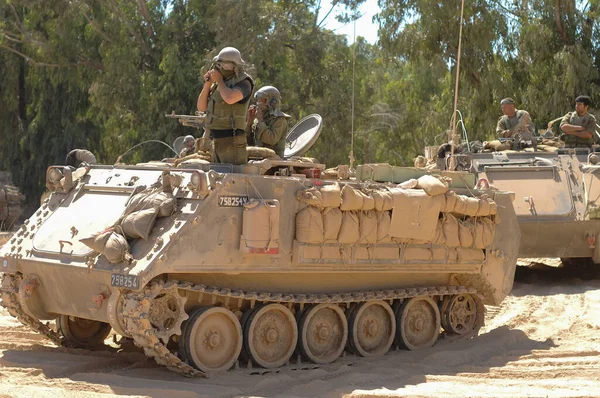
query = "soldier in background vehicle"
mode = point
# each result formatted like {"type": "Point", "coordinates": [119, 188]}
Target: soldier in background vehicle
{"type": "Point", "coordinates": [267, 125]}
{"type": "Point", "coordinates": [579, 127]}
{"type": "Point", "coordinates": [189, 143]}
{"type": "Point", "coordinates": [78, 156]}
{"type": "Point", "coordinates": [225, 98]}
{"type": "Point", "coordinates": [513, 120]}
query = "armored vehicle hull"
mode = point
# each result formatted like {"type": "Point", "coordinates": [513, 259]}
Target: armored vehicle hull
{"type": "Point", "coordinates": [227, 266]}
{"type": "Point", "coordinates": [556, 199]}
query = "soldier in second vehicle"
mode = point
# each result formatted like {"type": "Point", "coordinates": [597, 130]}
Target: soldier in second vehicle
{"type": "Point", "coordinates": [267, 125]}
{"type": "Point", "coordinates": [579, 127]}
{"type": "Point", "coordinates": [189, 146]}
{"type": "Point", "coordinates": [513, 121]}
{"type": "Point", "coordinates": [225, 98]}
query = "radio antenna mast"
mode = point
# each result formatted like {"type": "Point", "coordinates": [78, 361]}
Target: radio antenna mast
{"type": "Point", "coordinates": [453, 122]}
{"type": "Point", "coordinates": [351, 156]}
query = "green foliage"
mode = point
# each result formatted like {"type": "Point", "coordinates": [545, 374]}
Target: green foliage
{"type": "Point", "coordinates": [101, 74]}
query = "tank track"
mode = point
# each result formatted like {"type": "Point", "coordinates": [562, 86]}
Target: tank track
{"type": "Point", "coordinates": [137, 306]}
{"type": "Point", "coordinates": [10, 301]}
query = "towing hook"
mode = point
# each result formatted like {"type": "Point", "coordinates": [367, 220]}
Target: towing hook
{"type": "Point", "coordinates": [29, 287]}
{"type": "Point", "coordinates": [591, 241]}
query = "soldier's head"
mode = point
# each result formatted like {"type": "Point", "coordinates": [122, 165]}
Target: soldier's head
{"type": "Point", "coordinates": [229, 61]}
{"type": "Point", "coordinates": [508, 107]}
{"type": "Point", "coordinates": [189, 141]}
{"type": "Point", "coordinates": [268, 97]}
{"type": "Point", "coordinates": [582, 104]}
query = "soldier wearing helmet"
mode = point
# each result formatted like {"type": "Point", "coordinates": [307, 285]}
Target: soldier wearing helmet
{"type": "Point", "coordinates": [189, 146]}
{"type": "Point", "coordinates": [225, 98]}
{"type": "Point", "coordinates": [267, 124]}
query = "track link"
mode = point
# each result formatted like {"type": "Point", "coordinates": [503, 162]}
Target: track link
{"type": "Point", "coordinates": [137, 306]}
{"type": "Point", "coordinates": [10, 301]}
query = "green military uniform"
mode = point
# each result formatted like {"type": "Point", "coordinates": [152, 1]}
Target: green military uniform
{"type": "Point", "coordinates": [270, 133]}
{"type": "Point", "coordinates": [509, 123]}
{"type": "Point", "coordinates": [227, 122]}
{"type": "Point", "coordinates": [187, 151]}
{"type": "Point", "coordinates": [588, 121]}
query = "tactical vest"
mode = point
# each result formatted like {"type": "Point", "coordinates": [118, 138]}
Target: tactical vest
{"type": "Point", "coordinates": [220, 114]}
{"type": "Point", "coordinates": [573, 140]}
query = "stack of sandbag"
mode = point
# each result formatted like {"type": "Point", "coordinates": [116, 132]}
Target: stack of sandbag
{"type": "Point", "coordinates": [136, 222]}
{"type": "Point", "coordinates": [110, 243]}
{"type": "Point", "coordinates": [343, 215]}
{"type": "Point", "coordinates": [497, 146]}
{"type": "Point", "coordinates": [469, 232]}
{"type": "Point", "coordinates": [194, 158]}
{"type": "Point", "coordinates": [259, 153]}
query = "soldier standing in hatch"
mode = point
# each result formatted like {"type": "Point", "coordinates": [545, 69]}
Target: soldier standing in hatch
{"type": "Point", "coordinates": [579, 127]}
{"type": "Point", "coordinates": [225, 98]}
{"type": "Point", "coordinates": [267, 125]}
{"type": "Point", "coordinates": [513, 120]}
{"type": "Point", "coordinates": [189, 146]}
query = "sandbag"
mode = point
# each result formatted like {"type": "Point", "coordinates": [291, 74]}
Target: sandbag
{"type": "Point", "coordinates": [471, 206]}
{"type": "Point", "coordinates": [352, 199]}
{"type": "Point", "coordinates": [450, 229]}
{"type": "Point", "coordinates": [439, 238]}
{"type": "Point", "coordinates": [416, 254]}
{"type": "Point", "coordinates": [312, 197]}
{"type": "Point", "coordinates": [460, 205]}
{"type": "Point", "coordinates": [331, 195]}
{"type": "Point", "coordinates": [415, 214]}
{"type": "Point", "coordinates": [484, 233]}
{"type": "Point", "coordinates": [383, 200]}
{"type": "Point", "coordinates": [432, 185]}
{"type": "Point", "coordinates": [496, 145]}
{"type": "Point", "coordinates": [368, 202]}
{"type": "Point", "coordinates": [450, 202]}
{"type": "Point", "coordinates": [493, 207]}
{"type": "Point", "coordinates": [258, 152]}
{"type": "Point", "coordinates": [466, 229]}
{"type": "Point", "coordinates": [484, 208]}
{"type": "Point", "coordinates": [383, 226]}
{"type": "Point", "coordinates": [97, 241]}
{"type": "Point", "coordinates": [309, 225]}
{"type": "Point", "coordinates": [163, 201]}
{"type": "Point", "coordinates": [408, 184]}
{"type": "Point", "coordinates": [332, 222]}
{"type": "Point", "coordinates": [367, 227]}
{"type": "Point", "coordinates": [193, 161]}
{"type": "Point", "coordinates": [139, 224]}
{"type": "Point", "coordinates": [489, 230]}
{"type": "Point", "coordinates": [116, 249]}
{"type": "Point", "coordinates": [349, 230]}
{"type": "Point", "coordinates": [465, 254]}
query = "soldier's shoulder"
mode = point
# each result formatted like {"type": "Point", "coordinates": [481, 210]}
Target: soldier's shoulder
{"type": "Point", "coordinates": [592, 117]}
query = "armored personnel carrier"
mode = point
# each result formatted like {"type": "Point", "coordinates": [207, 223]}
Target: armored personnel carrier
{"type": "Point", "coordinates": [206, 266]}
{"type": "Point", "coordinates": [556, 198]}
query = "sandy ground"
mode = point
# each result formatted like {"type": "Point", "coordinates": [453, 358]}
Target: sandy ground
{"type": "Point", "coordinates": [544, 341]}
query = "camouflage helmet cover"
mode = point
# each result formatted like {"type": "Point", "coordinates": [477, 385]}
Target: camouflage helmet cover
{"type": "Point", "coordinates": [230, 54]}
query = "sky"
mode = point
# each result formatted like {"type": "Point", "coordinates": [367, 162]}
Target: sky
{"type": "Point", "coordinates": [364, 26]}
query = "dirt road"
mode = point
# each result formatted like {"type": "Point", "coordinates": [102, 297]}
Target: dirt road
{"type": "Point", "coordinates": [543, 341]}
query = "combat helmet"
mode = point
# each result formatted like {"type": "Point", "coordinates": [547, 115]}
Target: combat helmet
{"type": "Point", "coordinates": [188, 139]}
{"type": "Point", "coordinates": [230, 54]}
{"type": "Point", "coordinates": [272, 94]}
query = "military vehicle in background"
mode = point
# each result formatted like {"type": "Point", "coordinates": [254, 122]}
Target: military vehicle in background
{"type": "Point", "coordinates": [206, 266]}
{"type": "Point", "coordinates": [557, 197]}
{"type": "Point", "coordinates": [11, 202]}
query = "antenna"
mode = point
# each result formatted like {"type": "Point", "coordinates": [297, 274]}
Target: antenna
{"type": "Point", "coordinates": [351, 156]}
{"type": "Point", "coordinates": [453, 122]}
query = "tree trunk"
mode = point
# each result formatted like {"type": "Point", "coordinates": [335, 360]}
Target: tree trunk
{"type": "Point", "coordinates": [559, 24]}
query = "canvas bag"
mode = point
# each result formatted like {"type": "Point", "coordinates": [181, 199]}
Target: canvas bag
{"type": "Point", "coordinates": [415, 214]}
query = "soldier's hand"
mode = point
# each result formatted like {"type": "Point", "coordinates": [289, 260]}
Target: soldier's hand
{"type": "Point", "coordinates": [260, 114]}
{"type": "Point", "coordinates": [216, 76]}
{"type": "Point", "coordinates": [251, 114]}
